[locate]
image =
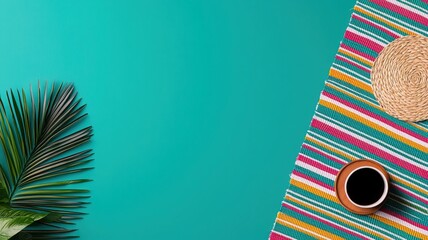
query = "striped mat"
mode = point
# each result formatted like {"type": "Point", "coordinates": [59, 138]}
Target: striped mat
{"type": "Point", "coordinates": [349, 124]}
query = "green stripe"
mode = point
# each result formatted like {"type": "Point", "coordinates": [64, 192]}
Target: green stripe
{"type": "Point", "coordinates": [391, 14]}
{"type": "Point", "coordinates": [363, 220]}
{"type": "Point", "coordinates": [291, 232]}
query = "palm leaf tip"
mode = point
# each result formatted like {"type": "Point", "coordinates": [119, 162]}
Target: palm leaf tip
{"type": "Point", "coordinates": [44, 145]}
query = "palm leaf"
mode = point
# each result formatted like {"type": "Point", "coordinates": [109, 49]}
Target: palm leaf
{"type": "Point", "coordinates": [13, 221]}
{"type": "Point", "coordinates": [43, 147]}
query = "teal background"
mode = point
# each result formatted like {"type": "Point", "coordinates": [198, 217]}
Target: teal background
{"type": "Point", "coordinates": [199, 107]}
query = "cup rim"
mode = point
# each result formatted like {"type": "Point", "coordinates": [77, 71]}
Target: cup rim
{"type": "Point", "coordinates": [385, 190]}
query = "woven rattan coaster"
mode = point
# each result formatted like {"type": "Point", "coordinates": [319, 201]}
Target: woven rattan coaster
{"type": "Point", "coordinates": [400, 78]}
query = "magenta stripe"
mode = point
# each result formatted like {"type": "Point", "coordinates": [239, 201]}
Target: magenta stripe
{"type": "Point", "coordinates": [317, 164]}
{"type": "Point", "coordinates": [317, 182]}
{"type": "Point", "coordinates": [411, 194]}
{"type": "Point", "coordinates": [276, 236]}
{"type": "Point", "coordinates": [319, 219]}
{"type": "Point", "coordinates": [375, 26]}
{"type": "Point", "coordinates": [364, 55]}
{"type": "Point", "coordinates": [385, 210]}
{"type": "Point", "coordinates": [340, 161]}
{"type": "Point", "coordinates": [352, 63]}
{"type": "Point", "coordinates": [369, 148]}
{"type": "Point", "coordinates": [402, 11]}
{"type": "Point", "coordinates": [375, 116]}
{"type": "Point", "coordinates": [363, 41]}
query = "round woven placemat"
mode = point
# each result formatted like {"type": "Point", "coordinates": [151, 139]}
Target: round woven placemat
{"type": "Point", "coordinates": [400, 78]}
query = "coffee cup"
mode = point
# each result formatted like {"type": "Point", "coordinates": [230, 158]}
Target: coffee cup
{"type": "Point", "coordinates": [362, 186]}
{"type": "Point", "coordinates": [366, 187]}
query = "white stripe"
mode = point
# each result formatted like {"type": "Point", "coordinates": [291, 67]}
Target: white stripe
{"type": "Point", "coordinates": [390, 170]}
{"type": "Point", "coordinates": [414, 6]}
{"type": "Point", "coordinates": [413, 10]}
{"type": "Point", "coordinates": [315, 170]}
{"type": "Point", "coordinates": [393, 196]}
{"type": "Point", "coordinates": [326, 153]}
{"type": "Point", "coordinates": [376, 24]}
{"type": "Point", "coordinates": [361, 77]}
{"type": "Point", "coordinates": [336, 67]}
{"type": "Point", "coordinates": [394, 20]}
{"type": "Point", "coordinates": [421, 196]}
{"type": "Point", "coordinates": [350, 29]}
{"type": "Point", "coordinates": [301, 228]}
{"type": "Point", "coordinates": [332, 209]}
{"type": "Point", "coordinates": [352, 91]}
{"type": "Point", "coordinates": [375, 36]}
{"type": "Point", "coordinates": [312, 184]}
{"type": "Point", "coordinates": [370, 137]}
{"type": "Point", "coordinates": [371, 143]}
{"type": "Point", "coordinates": [356, 63]}
{"type": "Point", "coordinates": [331, 143]}
{"type": "Point", "coordinates": [377, 122]}
{"type": "Point", "coordinates": [402, 222]}
{"type": "Point", "coordinates": [352, 53]}
{"type": "Point", "coordinates": [402, 207]}
{"type": "Point", "coordinates": [327, 220]}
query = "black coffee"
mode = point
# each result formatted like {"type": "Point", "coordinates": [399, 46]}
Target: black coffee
{"type": "Point", "coordinates": [365, 186]}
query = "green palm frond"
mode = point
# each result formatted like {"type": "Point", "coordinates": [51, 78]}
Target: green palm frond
{"type": "Point", "coordinates": [13, 221]}
{"type": "Point", "coordinates": [43, 147]}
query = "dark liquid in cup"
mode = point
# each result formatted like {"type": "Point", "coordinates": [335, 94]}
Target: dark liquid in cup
{"type": "Point", "coordinates": [365, 186]}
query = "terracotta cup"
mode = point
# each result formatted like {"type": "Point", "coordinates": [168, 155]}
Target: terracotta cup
{"type": "Point", "coordinates": [362, 186]}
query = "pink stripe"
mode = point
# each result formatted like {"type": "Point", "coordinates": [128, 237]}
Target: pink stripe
{"type": "Point", "coordinates": [404, 219]}
{"type": "Point", "coordinates": [375, 116]}
{"type": "Point", "coordinates": [375, 26]}
{"type": "Point", "coordinates": [352, 63]}
{"type": "Point", "coordinates": [364, 55]}
{"type": "Point", "coordinates": [317, 182]}
{"type": "Point", "coordinates": [323, 154]}
{"type": "Point", "coordinates": [316, 218]}
{"type": "Point", "coordinates": [369, 148]}
{"type": "Point", "coordinates": [363, 41]}
{"type": "Point", "coordinates": [317, 164]}
{"type": "Point", "coordinates": [402, 11]}
{"type": "Point", "coordinates": [276, 236]}
{"type": "Point", "coordinates": [411, 194]}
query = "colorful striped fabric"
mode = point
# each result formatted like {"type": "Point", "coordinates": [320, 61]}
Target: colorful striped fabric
{"type": "Point", "coordinates": [349, 124]}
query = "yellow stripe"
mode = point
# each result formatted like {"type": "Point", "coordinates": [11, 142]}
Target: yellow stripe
{"type": "Point", "coordinates": [419, 127]}
{"type": "Point", "coordinates": [400, 227]}
{"type": "Point", "coordinates": [319, 231]}
{"type": "Point", "coordinates": [351, 80]}
{"type": "Point", "coordinates": [302, 230]}
{"type": "Point", "coordinates": [404, 182]}
{"type": "Point", "coordinates": [334, 199]}
{"type": "Point", "coordinates": [355, 56]}
{"type": "Point", "coordinates": [372, 125]}
{"type": "Point", "coordinates": [353, 96]}
{"type": "Point", "coordinates": [337, 151]}
{"type": "Point", "coordinates": [381, 19]}
{"type": "Point", "coordinates": [349, 157]}
{"type": "Point", "coordinates": [368, 103]}
{"type": "Point", "coordinates": [313, 190]}
{"type": "Point", "coordinates": [341, 219]}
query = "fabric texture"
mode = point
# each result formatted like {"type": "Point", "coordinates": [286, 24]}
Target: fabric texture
{"type": "Point", "coordinates": [348, 125]}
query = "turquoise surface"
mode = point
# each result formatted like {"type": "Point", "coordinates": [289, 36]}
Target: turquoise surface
{"type": "Point", "coordinates": [199, 107]}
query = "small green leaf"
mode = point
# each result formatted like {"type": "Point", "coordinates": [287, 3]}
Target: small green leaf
{"type": "Point", "coordinates": [13, 221]}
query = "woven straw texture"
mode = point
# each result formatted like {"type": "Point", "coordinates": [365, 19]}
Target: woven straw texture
{"type": "Point", "coordinates": [400, 78]}
{"type": "Point", "coordinates": [349, 124]}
